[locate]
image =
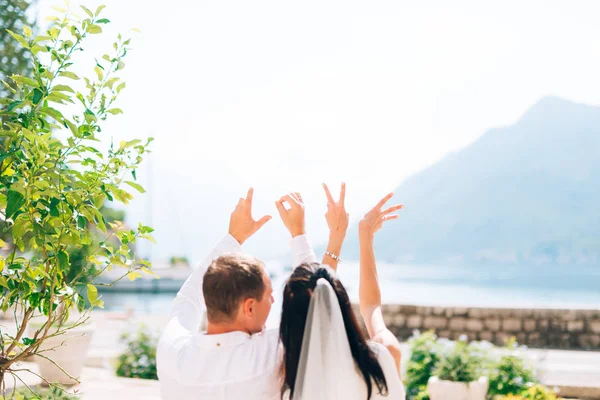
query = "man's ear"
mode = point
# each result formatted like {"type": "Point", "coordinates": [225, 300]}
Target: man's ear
{"type": "Point", "coordinates": [249, 307]}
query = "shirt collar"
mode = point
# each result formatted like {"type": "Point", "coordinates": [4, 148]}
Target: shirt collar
{"type": "Point", "coordinates": [229, 339]}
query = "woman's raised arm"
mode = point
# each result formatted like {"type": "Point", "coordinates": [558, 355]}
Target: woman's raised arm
{"type": "Point", "coordinates": [369, 292]}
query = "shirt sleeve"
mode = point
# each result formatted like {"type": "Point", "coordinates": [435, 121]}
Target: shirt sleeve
{"type": "Point", "coordinates": [388, 365]}
{"type": "Point", "coordinates": [186, 313]}
{"type": "Point", "coordinates": [302, 251]}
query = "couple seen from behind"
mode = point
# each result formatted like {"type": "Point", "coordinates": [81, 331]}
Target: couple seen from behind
{"type": "Point", "coordinates": [319, 351]}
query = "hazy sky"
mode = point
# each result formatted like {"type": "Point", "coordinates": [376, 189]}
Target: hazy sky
{"type": "Point", "coordinates": [285, 95]}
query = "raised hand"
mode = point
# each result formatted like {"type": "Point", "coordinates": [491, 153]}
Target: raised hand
{"type": "Point", "coordinates": [241, 224]}
{"type": "Point", "coordinates": [373, 220]}
{"type": "Point", "coordinates": [337, 221]}
{"type": "Point", "coordinates": [336, 215]}
{"type": "Point", "coordinates": [293, 216]}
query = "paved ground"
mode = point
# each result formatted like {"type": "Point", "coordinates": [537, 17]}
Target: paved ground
{"type": "Point", "coordinates": [575, 373]}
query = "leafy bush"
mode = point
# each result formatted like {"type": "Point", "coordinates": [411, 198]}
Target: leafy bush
{"type": "Point", "coordinates": [462, 364]}
{"type": "Point", "coordinates": [509, 374]}
{"type": "Point", "coordinates": [139, 359]}
{"type": "Point", "coordinates": [54, 181]}
{"type": "Point", "coordinates": [424, 354]}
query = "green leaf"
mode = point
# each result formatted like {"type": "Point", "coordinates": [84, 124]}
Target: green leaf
{"type": "Point", "coordinates": [63, 88]}
{"type": "Point", "coordinates": [92, 294]}
{"type": "Point", "coordinates": [120, 87]}
{"type": "Point", "coordinates": [148, 237]}
{"type": "Point", "coordinates": [23, 80]}
{"type": "Point", "coordinates": [133, 275]}
{"type": "Point", "coordinates": [27, 31]}
{"type": "Point", "coordinates": [28, 342]}
{"type": "Point", "coordinates": [41, 38]}
{"type": "Point", "coordinates": [115, 111]}
{"type": "Point", "coordinates": [2, 243]}
{"type": "Point", "coordinates": [81, 222]}
{"type": "Point", "coordinates": [103, 21]}
{"type": "Point", "coordinates": [99, 9]}
{"type": "Point", "coordinates": [69, 74]}
{"type": "Point", "coordinates": [37, 95]}
{"type": "Point", "coordinates": [19, 38]}
{"type": "Point", "coordinates": [13, 105]}
{"type": "Point", "coordinates": [136, 186]}
{"type": "Point", "coordinates": [94, 29]}
{"type": "Point", "coordinates": [87, 11]}
{"type": "Point", "coordinates": [3, 282]}
{"type": "Point", "coordinates": [99, 72]}
{"type": "Point", "coordinates": [10, 88]}
{"type": "Point", "coordinates": [52, 113]}
{"type": "Point", "coordinates": [15, 200]}
{"type": "Point", "coordinates": [63, 260]}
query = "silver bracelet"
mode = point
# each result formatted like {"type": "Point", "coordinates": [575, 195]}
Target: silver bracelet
{"type": "Point", "coordinates": [333, 256]}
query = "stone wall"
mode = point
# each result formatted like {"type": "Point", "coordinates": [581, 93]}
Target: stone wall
{"type": "Point", "coordinates": [540, 328]}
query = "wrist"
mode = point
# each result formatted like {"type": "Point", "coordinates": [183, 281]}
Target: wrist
{"type": "Point", "coordinates": [365, 235]}
{"type": "Point", "coordinates": [297, 231]}
{"type": "Point", "coordinates": [240, 239]}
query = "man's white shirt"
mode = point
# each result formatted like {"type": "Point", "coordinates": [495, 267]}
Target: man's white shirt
{"type": "Point", "coordinates": [234, 365]}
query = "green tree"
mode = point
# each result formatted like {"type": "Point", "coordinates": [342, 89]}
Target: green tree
{"type": "Point", "coordinates": [15, 59]}
{"type": "Point", "coordinates": [54, 180]}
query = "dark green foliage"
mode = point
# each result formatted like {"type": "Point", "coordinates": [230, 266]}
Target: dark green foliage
{"type": "Point", "coordinates": [509, 374]}
{"type": "Point", "coordinates": [139, 359]}
{"type": "Point", "coordinates": [462, 364]}
{"type": "Point", "coordinates": [425, 353]}
{"type": "Point", "coordinates": [54, 182]}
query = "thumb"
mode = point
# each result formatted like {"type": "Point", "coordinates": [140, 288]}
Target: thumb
{"type": "Point", "coordinates": [281, 209]}
{"type": "Point", "coordinates": [261, 222]}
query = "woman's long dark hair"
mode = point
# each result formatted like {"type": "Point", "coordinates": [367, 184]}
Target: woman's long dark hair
{"type": "Point", "coordinates": [296, 299]}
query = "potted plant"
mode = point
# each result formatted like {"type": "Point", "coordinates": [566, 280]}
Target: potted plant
{"type": "Point", "coordinates": [457, 375]}
{"type": "Point", "coordinates": [53, 183]}
{"type": "Point", "coordinates": [509, 373]}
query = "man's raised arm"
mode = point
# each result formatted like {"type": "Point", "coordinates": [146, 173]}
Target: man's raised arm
{"type": "Point", "coordinates": [291, 211]}
{"type": "Point", "coordinates": [187, 308]}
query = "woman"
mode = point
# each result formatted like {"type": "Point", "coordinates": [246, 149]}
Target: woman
{"type": "Point", "coordinates": [326, 354]}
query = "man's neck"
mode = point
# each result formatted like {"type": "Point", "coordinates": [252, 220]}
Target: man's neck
{"type": "Point", "coordinates": [216, 329]}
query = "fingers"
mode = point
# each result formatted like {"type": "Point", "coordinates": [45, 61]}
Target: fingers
{"type": "Point", "coordinates": [343, 193]}
{"type": "Point", "coordinates": [390, 217]}
{"type": "Point", "coordinates": [392, 209]}
{"type": "Point", "coordinates": [249, 196]}
{"type": "Point", "coordinates": [290, 199]}
{"type": "Point", "coordinates": [384, 200]}
{"type": "Point", "coordinates": [298, 197]}
{"type": "Point", "coordinates": [328, 194]}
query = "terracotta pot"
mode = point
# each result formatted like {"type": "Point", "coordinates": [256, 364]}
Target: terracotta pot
{"type": "Point", "coordinates": [446, 390]}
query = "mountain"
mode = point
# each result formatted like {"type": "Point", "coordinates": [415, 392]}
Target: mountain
{"type": "Point", "coordinates": [526, 193]}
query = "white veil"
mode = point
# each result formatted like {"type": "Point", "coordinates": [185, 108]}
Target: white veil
{"type": "Point", "coordinates": [326, 369]}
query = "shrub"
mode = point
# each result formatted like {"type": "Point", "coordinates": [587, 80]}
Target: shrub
{"type": "Point", "coordinates": [425, 353]}
{"type": "Point", "coordinates": [139, 358]}
{"type": "Point", "coordinates": [463, 363]}
{"type": "Point", "coordinates": [509, 374]}
{"type": "Point", "coordinates": [54, 181]}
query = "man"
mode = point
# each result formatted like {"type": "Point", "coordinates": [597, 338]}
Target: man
{"type": "Point", "coordinates": [236, 358]}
